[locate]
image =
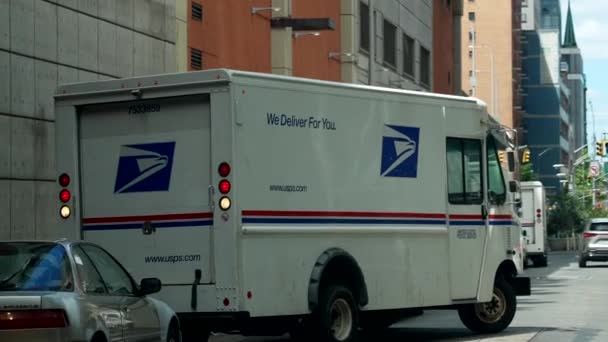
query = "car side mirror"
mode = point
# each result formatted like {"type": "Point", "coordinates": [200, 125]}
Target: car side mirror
{"type": "Point", "coordinates": [149, 285]}
{"type": "Point", "coordinates": [512, 186]}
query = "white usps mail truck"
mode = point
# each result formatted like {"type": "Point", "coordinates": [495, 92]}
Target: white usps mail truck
{"type": "Point", "coordinates": [268, 204]}
{"type": "Point", "coordinates": [533, 221]}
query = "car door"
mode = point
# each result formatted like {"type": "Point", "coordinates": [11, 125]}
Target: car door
{"type": "Point", "coordinates": [140, 318]}
{"type": "Point", "coordinates": [97, 303]}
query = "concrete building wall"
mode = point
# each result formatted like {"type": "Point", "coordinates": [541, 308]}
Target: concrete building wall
{"type": "Point", "coordinates": [413, 18]}
{"type": "Point", "coordinates": [44, 43]}
{"type": "Point", "coordinates": [486, 32]}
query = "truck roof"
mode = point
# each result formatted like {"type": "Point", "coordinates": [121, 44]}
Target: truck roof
{"type": "Point", "coordinates": [531, 184]}
{"type": "Point", "coordinates": [227, 76]}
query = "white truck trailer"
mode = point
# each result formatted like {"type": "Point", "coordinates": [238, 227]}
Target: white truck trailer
{"type": "Point", "coordinates": [534, 222]}
{"type": "Point", "coordinates": [268, 204]}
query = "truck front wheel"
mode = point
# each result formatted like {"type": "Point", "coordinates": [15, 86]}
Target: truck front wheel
{"type": "Point", "coordinates": [493, 316]}
{"type": "Point", "coordinates": [337, 317]}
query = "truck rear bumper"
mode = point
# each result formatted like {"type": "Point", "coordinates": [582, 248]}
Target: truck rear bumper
{"type": "Point", "coordinates": [521, 285]}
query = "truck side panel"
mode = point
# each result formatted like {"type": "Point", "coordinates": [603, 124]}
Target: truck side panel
{"type": "Point", "coordinates": [389, 213]}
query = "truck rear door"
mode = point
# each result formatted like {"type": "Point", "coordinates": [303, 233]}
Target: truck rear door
{"type": "Point", "coordinates": [145, 174]}
{"type": "Point", "coordinates": [527, 219]}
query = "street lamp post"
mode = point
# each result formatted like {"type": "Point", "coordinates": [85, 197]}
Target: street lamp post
{"type": "Point", "coordinates": [540, 155]}
{"type": "Point", "coordinates": [492, 81]}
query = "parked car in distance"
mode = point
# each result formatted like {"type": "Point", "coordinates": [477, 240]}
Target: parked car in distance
{"type": "Point", "coordinates": [595, 242]}
{"type": "Point", "coordinates": [76, 291]}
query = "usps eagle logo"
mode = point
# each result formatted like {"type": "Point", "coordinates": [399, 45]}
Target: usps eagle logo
{"type": "Point", "coordinates": [144, 167]}
{"type": "Point", "coordinates": [400, 151]}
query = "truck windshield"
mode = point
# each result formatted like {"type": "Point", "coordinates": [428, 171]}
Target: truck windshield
{"type": "Point", "coordinates": [34, 266]}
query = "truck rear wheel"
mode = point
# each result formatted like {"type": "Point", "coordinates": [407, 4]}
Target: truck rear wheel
{"type": "Point", "coordinates": [337, 317]}
{"type": "Point", "coordinates": [540, 261]}
{"type": "Point", "coordinates": [493, 316]}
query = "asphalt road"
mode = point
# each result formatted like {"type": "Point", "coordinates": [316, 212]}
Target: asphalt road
{"type": "Point", "coordinates": [567, 304]}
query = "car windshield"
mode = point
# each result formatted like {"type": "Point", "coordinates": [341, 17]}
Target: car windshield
{"type": "Point", "coordinates": [34, 266]}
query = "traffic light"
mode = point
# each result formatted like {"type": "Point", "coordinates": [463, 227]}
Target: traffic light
{"type": "Point", "coordinates": [525, 158]}
{"type": "Point", "coordinates": [599, 148]}
{"type": "Point", "coordinates": [501, 156]}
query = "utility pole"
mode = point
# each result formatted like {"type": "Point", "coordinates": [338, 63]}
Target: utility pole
{"type": "Point", "coordinates": [595, 157]}
{"type": "Point", "coordinates": [372, 43]}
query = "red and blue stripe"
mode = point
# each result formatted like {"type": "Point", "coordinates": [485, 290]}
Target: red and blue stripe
{"type": "Point", "coordinates": [365, 218]}
{"type": "Point", "coordinates": [193, 220]}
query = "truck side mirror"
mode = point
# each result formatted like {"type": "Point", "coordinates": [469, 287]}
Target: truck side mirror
{"type": "Point", "coordinates": [512, 186]}
{"type": "Point", "coordinates": [511, 160]}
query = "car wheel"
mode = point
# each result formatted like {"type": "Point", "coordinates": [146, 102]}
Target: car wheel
{"type": "Point", "coordinates": [337, 317]}
{"type": "Point", "coordinates": [99, 337]}
{"type": "Point", "coordinates": [582, 263]}
{"type": "Point", "coordinates": [195, 335]}
{"type": "Point", "coordinates": [174, 334]}
{"type": "Point", "coordinates": [493, 316]}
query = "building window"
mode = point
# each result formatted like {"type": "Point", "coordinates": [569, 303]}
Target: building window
{"type": "Point", "coordinates": [196, 59]}
{"type": "Point", "coordinates": [390, 51]}
{"type": "Point", "coordinates": [363, 27]}
{"type": "Point", "coordinates": [197, 11]}
{"type": "Point", "coordinates": [524, 18]}
{"type": "Point", "coordinates": [471, 16]}
{"type": "Point", "coordinates": [408, 55]}
{"type": "Point", "coordinates": [425, 66]}
{"type": "Point", "coordinates": [471, 36]}
{"type": "Point", "coordinates": [524, 3]}
{"type": "Point", "coordinates": [470, 53]}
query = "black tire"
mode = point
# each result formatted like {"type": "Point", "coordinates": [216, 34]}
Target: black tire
{"type": "Point", "coordinates": [337, 317]}
{"type": "Point", "coordinates": [540, 261]}
{"type": "Point", "coordinates": [195, 335]}
{"type": "Point", "coordinates": [582, 263]}
{"type": "Point", "coordinates": [99, 337]}
{"type": "Point", "coordinates": [174, 334]}
{"type": "Point", "coordinates": [494, 316]}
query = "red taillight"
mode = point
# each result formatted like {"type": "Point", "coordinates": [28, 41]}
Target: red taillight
{"type": "Point", "coordinates": [64, 180]}
{"type": "Point", "coordinates": [224, 186]}
{"type": "Point", "coordinates": [587, 235]}
{"type": "Point", "coordinates": [32, 319]}
{"type": "Point", "coordinates": [64, 195]}
{"type": "Point", "coordinates": [224, 169]}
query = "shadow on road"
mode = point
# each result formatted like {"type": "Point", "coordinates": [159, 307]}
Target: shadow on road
{"type": "Point", "coordinates": [443, 334]}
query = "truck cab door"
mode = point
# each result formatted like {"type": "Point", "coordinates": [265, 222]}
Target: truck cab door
{"type": "Point", "coordinates": [466, 215]}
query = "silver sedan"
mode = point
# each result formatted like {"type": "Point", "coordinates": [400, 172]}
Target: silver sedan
{"type": "Point", "coordinates": [76, 291]}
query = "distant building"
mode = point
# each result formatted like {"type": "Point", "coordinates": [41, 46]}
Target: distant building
{"type": "Point", "coordinates": [264, 38]}
{"type": "Point", "coordinates": [546, 121]}
{"type": "Point", "coordinates": [572, 64]}
{"type": "Point", "coordinates": [490, 59]}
